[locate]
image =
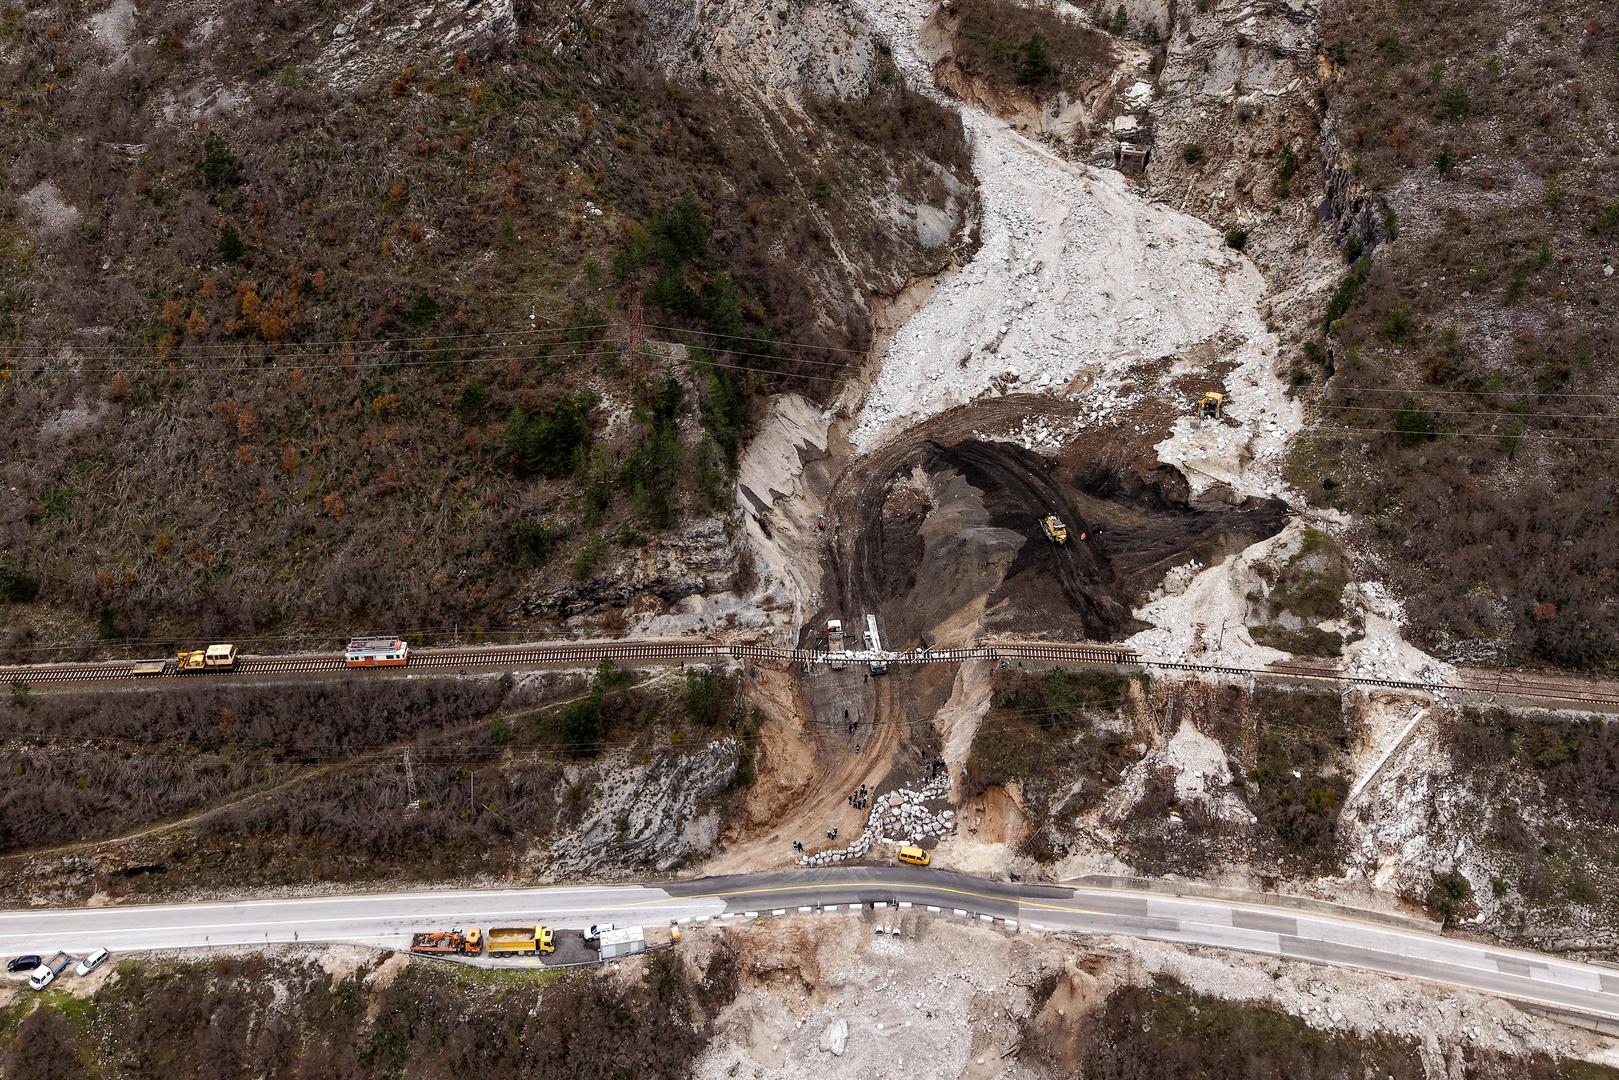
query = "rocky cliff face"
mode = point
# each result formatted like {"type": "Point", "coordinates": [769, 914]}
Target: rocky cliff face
{"type": "Point", "coordinates": [1362, 215]}
{"type": "Point", "coordinates": [658, 813]}
{"type": "Point", "coordinates": [800, 69]}
{"type": "Point", "coordinates": [441, 32]}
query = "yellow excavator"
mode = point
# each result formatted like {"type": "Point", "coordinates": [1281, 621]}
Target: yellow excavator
{"type": "Point", "coordinates": [1212, 406]}
{"type": "Point", "coordinates": [1055, 530]}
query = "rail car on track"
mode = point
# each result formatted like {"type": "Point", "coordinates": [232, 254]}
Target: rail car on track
{"type": "Point", "coordinates": [376, 652]}
{"type": "Point", "coordinates": [221, 657]}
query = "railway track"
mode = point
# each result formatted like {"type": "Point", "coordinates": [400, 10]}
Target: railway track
{"type": "Point", "coordinates": [579, 654]}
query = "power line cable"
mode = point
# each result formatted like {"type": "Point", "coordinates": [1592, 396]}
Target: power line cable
{"type": "Point", "coordinates": [429, 342]}
{"type": "Point", "coordinates": [466, 361]}
{"type": "Point", "coordinates": [1426, 390]}
{"type": "Point", "coordinates": [1484, 434]}
{"type": "Point", "coordinates": [1513, 413]}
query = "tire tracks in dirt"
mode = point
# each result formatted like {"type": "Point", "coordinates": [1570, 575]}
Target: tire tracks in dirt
{"type": "Point", "coordinates": [810, 769]}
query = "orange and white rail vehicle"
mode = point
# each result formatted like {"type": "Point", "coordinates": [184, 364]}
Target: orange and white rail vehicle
{"type": "Point", "coordinates": [376, 652]}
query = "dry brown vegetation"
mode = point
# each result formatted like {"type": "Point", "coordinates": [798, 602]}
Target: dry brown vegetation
{"type": "Point", "coordinates": [1168, 1032]}
{"type": "Point", "coordinates": [1020, 47]}
{"type": "Point", "coordinates": [1050, 732]}
{"type": "Point", "coordinates": [85, 766]}
{"type": "Point", "coordinates": [304, 784]}
{"type": "Point", "coordinates": [1068, 739]}
{"type": "Point", "coordinates": [236, 1018]}
{"type": "Point", "coordinates": [1475, 350]}
{"type": "Point", "coordinates": [1551, 784]}
{"type": "Point", "coordinates": [282, 400]}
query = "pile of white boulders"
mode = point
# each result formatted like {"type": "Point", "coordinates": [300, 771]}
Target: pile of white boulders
{"type": "Point", "coordinates": [899, 817]}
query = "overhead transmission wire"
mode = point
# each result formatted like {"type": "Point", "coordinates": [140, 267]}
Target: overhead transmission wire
{"type": "Point", "coordinates": [124, 367]}
{"type": "Point", "coordinates": [496, 359]}
{"type": "Point", "coordinates": [1429, 391]}
{"type": "Point", "coordinates": [502, 351]}
{"type": "Point", "coordinates": [458, 752]}
{"type": "Point", "coordinates": [1549, 437]}
{"type": "Point", "coordinates": [429, 343]}
{"type": "Point", "coordinates": [379, 358]}
{"type": "Point", "coordinates": [556, 328]}
{"type": "Point", "coordinates": [1513, 413]}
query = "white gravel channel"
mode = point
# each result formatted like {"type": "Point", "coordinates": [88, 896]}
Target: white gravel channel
{"type": "Point", "coordinates": [1077, 277]}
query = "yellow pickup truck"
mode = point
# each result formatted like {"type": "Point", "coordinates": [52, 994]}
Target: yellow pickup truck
{"type": "Point", "coordinates": [519, 940]}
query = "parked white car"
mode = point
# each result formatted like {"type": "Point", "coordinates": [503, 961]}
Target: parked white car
{"type": "Point", "coordinates": [91, 962]}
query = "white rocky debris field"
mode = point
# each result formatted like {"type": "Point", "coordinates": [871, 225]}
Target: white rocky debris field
{"type": "Point", "coordinates": [905, 816]}
{"type": "Point", "coordinates": [1078, 277]}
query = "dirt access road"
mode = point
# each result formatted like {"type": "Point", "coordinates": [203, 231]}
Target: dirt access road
{"type": "Point", "coordinates": [810, 766]}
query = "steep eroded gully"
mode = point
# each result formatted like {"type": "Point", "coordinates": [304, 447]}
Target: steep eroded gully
{"type": "Point", "coordinates": [1081, 288]}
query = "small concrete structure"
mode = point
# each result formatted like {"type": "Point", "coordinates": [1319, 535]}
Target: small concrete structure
{"type": "Point", "coordinates": [624, 941]}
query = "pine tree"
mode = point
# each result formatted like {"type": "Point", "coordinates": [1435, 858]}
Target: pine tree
{"type": "Point", "coordinates": [1033, 64]}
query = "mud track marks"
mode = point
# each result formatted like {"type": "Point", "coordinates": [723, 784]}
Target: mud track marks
{"type": "Point", "coordinates": [939, 534]}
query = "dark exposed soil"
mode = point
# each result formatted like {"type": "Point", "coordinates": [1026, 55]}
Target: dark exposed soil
{"type": "Point", "coordinates": [938, 527]}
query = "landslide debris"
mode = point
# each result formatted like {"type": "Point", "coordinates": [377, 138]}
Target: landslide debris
{"type": "Point", "coordinates": [940, 537]}
{"type": "Point", "coordinates": [828, 997]}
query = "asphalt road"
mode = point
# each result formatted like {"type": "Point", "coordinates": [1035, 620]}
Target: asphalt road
{"type": "Point", "coordinates": [387, 920]}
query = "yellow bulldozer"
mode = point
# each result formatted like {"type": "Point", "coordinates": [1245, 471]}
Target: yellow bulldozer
{"type": "Point", "coordinates": [1055, 530]}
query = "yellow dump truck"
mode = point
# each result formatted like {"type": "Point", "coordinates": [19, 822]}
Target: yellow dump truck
{"type": "Point", "coordinates": [213, 658]}
{"type": "Point", "coordinates": [518, 940]}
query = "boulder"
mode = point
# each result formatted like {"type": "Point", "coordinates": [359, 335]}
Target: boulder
{"type": "Point", "coordinates": [835, 1037]}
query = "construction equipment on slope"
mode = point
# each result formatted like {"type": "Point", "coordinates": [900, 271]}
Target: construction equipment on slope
{"type": "Point", "coordinates": [874, 644]}
{"type": "Point", "coordinates": [1212, 407]}
{"type": "Point", "coordinates": [1055, 530]}
{"type": "Point", "coordinates": [834, 645]}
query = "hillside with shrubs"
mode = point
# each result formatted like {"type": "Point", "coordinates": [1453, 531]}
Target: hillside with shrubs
{"type": "Point", "coordinates": [314, 316]}
{"type": "Point", "coordinates": [1473, 339]}
{"type": "Point", "coordinates": [417, 780]}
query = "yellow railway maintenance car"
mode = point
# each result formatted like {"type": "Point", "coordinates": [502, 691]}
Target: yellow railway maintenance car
{"type": "Point", "coordinates": [213, 658]}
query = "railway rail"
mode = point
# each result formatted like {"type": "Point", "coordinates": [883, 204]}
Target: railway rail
{"type": "Point", "coordinates": [590, 653]}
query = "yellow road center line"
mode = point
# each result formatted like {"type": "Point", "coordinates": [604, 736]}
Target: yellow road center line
{"type": "Point", "coordinates": [823, 886]}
